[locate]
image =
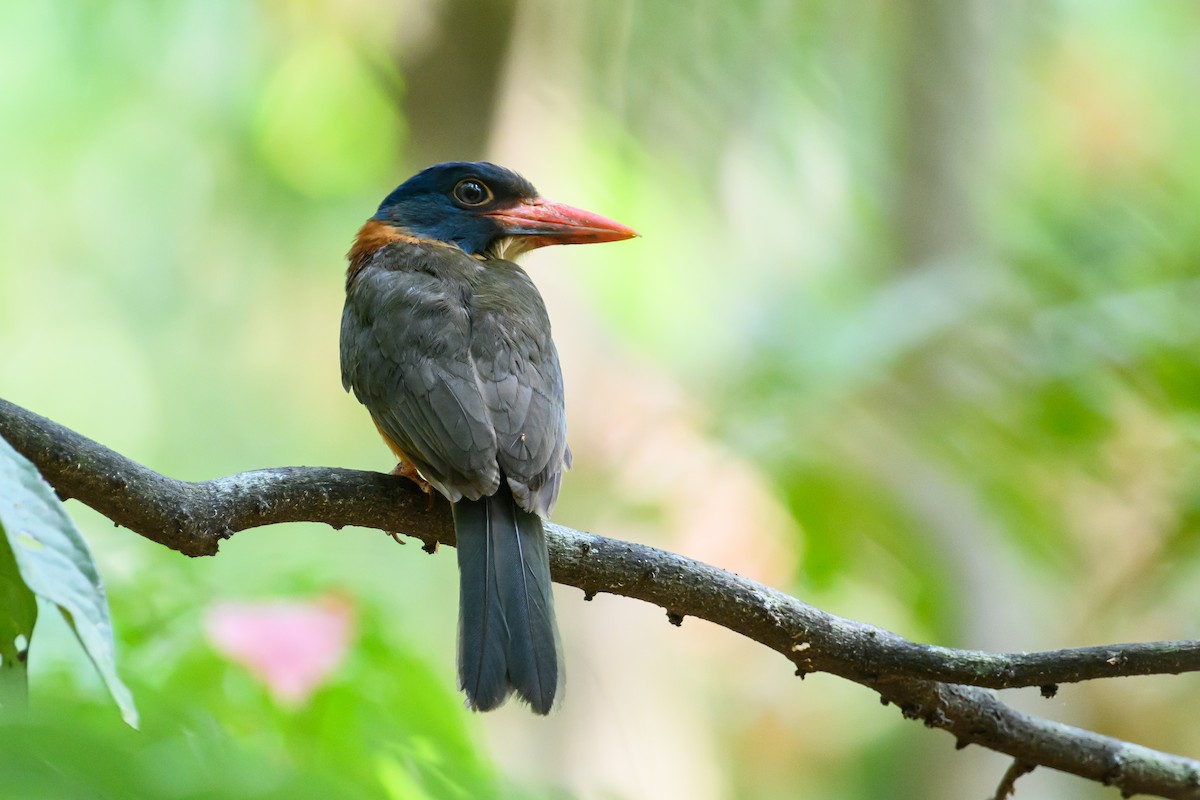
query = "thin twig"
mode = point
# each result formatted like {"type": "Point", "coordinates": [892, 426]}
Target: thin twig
{"type": "Point", "coordinates": [1008, 784]}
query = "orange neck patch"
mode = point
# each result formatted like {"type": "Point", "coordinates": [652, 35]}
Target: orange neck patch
{"type": "Point", "coordinates": [372, 236]}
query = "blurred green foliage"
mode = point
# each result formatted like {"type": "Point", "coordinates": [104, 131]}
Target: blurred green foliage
{"type": "Point", "coordinates": [212, 733]}
{"type": "Point", "coordinates": [925, 271]}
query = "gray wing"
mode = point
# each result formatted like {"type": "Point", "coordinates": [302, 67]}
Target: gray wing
{"type": "Point", "coordinates": [521, 385]}
{"type": "Point", "coordinates": [405, 352]}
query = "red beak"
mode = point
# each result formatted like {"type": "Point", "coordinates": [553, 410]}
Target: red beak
{"type": "Point", "coordinates": [540, 223]}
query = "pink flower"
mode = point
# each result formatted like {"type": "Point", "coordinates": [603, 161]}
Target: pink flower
{"type": "Point", "coordinates": [291, 646]}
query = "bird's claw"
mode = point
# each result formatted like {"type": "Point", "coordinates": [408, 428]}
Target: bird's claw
{"type": "Point", "coordinates": [406, 470]}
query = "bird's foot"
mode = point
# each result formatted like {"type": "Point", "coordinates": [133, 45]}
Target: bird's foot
{"type": "Point", "coordinates": [407, 470]}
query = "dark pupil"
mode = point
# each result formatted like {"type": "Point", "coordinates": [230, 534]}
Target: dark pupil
{"type": "Point", "coordinates": [471, 193]}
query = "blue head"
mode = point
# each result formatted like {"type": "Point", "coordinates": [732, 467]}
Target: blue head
{"type": "Point", "coordinates": [483, 209]}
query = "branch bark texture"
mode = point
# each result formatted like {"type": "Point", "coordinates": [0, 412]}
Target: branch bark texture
{"type": "Point", "coordinates": [946, 688]}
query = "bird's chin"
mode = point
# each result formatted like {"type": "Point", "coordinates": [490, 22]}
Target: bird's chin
{"type": "Point", "coordinates": [510, 248]}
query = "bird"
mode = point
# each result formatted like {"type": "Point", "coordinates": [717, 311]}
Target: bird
{"type": "Point", "coordinates": [446, 342]}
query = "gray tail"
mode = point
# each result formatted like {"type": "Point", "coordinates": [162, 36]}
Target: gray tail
{"type": "Point", "coordinates": [507, 639]}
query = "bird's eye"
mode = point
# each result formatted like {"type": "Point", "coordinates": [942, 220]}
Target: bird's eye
{"type": "Point", "coordinates": [472, 192]}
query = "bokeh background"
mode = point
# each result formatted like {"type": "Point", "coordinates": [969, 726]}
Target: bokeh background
{"type": "Point", "coordinates": [913, 333]}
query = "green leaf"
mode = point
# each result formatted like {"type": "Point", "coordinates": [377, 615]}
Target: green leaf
{"type": "Point", "coordinates": [54, 562]}
{"type": "Point", "coordinates": [18, 612]}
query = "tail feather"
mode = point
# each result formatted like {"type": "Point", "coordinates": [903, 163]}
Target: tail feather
{"type": "Point", "coordinates": [482, 631]}
{"type": "Point", "coordinates": [507, 636]}
{"type": "Point", "coordinates": [523, 572]}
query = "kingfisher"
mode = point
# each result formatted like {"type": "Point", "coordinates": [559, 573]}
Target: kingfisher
{"type": "Point", "coordinates": [446, 341]}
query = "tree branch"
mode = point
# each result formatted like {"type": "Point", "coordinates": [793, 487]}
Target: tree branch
{"type": "Point", "coordinates": [941, 686]}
